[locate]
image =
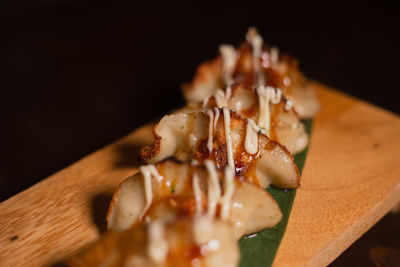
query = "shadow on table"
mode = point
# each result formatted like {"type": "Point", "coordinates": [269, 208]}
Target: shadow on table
{"type": "Point", "coordinates": [127, 155]}
{"type": "Point", "coordinates": [99, 206]}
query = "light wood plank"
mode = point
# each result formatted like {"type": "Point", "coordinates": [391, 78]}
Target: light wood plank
{"type": "Point", "coordinates": [351, 179]}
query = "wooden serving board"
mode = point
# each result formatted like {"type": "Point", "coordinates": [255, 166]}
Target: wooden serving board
{"type": "Point", "coordinates": [350, 180]}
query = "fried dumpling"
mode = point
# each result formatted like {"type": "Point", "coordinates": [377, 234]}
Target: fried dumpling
{"type": "Point", "coordinates": [172, 189]}
{"type": "Point", "coordinates": [227, 139]}
{"type": "Point", "coordinates": [253, 64]}
{"type": "Point", "coordinates": [181, 242]}
{"type": "Point", "coordinates": [265, 105]}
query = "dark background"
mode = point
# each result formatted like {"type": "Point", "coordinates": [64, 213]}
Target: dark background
{"type": "Point", "coordinates": [76, 75]}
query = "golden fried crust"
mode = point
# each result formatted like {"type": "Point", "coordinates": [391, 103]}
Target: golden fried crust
{"type": "Point", "coordinates": [113, 201]}
{"type": "Point", "coordinates": [149, 152]}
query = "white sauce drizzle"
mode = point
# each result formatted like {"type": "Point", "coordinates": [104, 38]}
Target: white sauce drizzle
{"type": "Point", "coordinates": [205, 101]}
{"type": "Point", "coordinates": [214, 189]}
{"type": "Point", "coordinates": [197, 194]}
{"type": "Point", "coordinates": [266, 95]}
{"type": "Point", "coordinates": [255, 126]}
{"type": "Point", "coordinates": [222, 98]}
{"type": "Point", "coordinates": [216, 110]}
{"type": "Point", "coordinates": [275, 94]}
{"type": "Point", "coordinates": [148, 171]}
{"type": "Point", "coordinates": [212, 125]}
{"type": "Point", "coordinates": [256, 42]}
{"type": "Point", "coordinates": [288, 105]}
{"type": "Point", "coordinates": [251, 140]}
{"type": "Point", "coordinates": [263, 116]}
{"type": "Point", "coordinates": [229, 188]}
{"type": "Point", "coordinates": [158, 246]}
{"type": "Point", "coordinates": [229, 57]}
{"type": "Point", "coordinates": [210, 113]}
{"type": "Point", "coordinates": [227, 122]}
{"type": "Point", "coordinates": [287, 81]}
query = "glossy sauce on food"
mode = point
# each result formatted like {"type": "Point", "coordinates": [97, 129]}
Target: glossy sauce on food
{"type": "Point", "coordinates": [148, 171]}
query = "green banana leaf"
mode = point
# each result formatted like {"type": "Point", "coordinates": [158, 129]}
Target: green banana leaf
{"type": "Point", "coordinates": [260, 249]}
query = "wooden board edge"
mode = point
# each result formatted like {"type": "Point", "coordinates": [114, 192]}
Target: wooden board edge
{"type": "Point", "coordinates": [332, 251]}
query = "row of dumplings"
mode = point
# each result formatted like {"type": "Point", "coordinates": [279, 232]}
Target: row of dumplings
{"type": "Point", "coordinates": [203, 187]}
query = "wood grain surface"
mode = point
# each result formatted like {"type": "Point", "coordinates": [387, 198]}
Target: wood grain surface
{"type": "Point", "coordinates": [350, 180]}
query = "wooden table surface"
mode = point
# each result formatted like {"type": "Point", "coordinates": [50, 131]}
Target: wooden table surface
{"type": "Point", "coordinates": [350, 180]}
